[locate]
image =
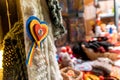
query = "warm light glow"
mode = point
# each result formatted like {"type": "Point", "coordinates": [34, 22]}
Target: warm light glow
{"type": "Point", "coordinates": [1, 57]}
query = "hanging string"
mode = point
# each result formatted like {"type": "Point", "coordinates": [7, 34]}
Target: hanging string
{"type": "Point", "coordinates": [8, 15]}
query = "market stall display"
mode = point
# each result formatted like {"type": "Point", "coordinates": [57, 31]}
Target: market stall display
{"type": "Point", "coordinates": [69, 73]}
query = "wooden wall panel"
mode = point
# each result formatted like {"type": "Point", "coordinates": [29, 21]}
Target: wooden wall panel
{"type": "Point", "coordinates": [4, 19]}
{"type": "Point", "coordinates": [14, 14]}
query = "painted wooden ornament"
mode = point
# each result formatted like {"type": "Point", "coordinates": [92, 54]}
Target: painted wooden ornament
{"type": "Point", "coordinates": [37, 32]}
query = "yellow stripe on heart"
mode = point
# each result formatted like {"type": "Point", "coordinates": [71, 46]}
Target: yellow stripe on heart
{"type": "Point", "coordinates": [32, 23]}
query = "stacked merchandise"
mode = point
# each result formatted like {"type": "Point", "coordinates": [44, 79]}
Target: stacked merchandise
{"type": "Point", "coordinates": [92, 59]}
{"type": "Point", "coordinates": [100, 47]}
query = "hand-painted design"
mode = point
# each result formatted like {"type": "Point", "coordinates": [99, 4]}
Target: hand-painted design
{"type": "Point", "coordinates": [37, 31]}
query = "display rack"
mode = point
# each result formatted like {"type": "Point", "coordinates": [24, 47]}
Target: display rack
{"type": "Point", "coordinates": [106, 12]}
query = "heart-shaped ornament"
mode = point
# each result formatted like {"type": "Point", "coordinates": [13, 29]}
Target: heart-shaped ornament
{"type": "Point", "coordinates": [41, 31]}
{"type": "Point", "coordinates": [38, 31]}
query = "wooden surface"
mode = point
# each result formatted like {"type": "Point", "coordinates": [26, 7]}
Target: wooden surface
{"type": "Point", "coordinates": [1, 74]}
